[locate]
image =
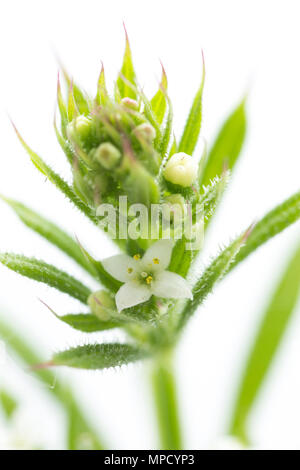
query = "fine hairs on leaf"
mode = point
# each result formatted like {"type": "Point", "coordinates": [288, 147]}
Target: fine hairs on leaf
{"type": "Point", "coordinates": [99, 356]}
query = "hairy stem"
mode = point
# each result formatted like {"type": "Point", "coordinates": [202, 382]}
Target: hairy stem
{"type": "Point", "coordinates": [165, 396]}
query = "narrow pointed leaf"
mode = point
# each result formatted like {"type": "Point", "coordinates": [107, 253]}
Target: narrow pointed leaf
{"type": "Point", "coordinates": [62, 109]}
{"type": "Point", "coordinates": [46, 273]}
{"type": "Point", "coordinates": [103, 276]}
{"type": "Point", "coordinates": [159, 102]}
{"type": "Point", "coordinates": [274, 222]}
{"type": "Point", "coordinates": [51, 232]}
{"type": "Point", "coordinates": [87, 322]}
{"type": "Point", "coordinates": [127, 71]}
{"type": "Point", "coordinates": [227, 146]}
{"type": "Point", "coordinates": [72, 107]}
{"type": "Point", "coordinates": [266, 344]}
{"type": "Point", "coordinates": [192, 128]}
{"type": "Point", "coordinates": [7, 403]}
{"type": "Point", "coordinates": [99, 356]}
{"type": "Point", "coordinates": [102, 94]}
{"type": "Point", "coordinates": [167, 132]}
{"type": "Point", "coordinates": [80, 99]}
{"type": "Point", "coordinates": [211, 195]}
{"type": "Point", "coordinates": [58, 181]}
{"type": "Point", "coordinates": [213, 274]}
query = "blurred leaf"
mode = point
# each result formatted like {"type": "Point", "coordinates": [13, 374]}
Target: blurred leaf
{"type": "Point", "coordinates": [98, 356]}
{"type": "Point", "coordinates": [72, 107]}
{"type": "Point", "coordinates": [192, 128]}
{"type": "Point", "coordinates": [8, 403]}
{"type": "Point", "coordinates": [80, 100]}
{"type": "Point", "coordinates": [54, 386]}
{"type": "Point", "coordinates": [274, 222]}
{"type": "Point", "coordinates": [102, 94]}
{"type": "Point", "coordinates": [51, 232]}
{"type": "Point", "coordinates": [213, 274]}
{"type": "Point", "coordinates": [127, 71]}
{"type": "Point", "coordinates": [266, 343]}
{"type": "Point", "coordinates": [159, 102]}
{"type": "Point", "coordinates": [227, 146]}
{"type": "Point", "coordinates": [87, 322]}
{"type": "Point", "coordinates": [62, 109]}
{"type": "Point", "coordinates": [46, 273]}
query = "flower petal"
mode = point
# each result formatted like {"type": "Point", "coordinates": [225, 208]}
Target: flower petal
{"type": "Point", "coordinates": [121, 267]}
{"type": "Point", "coordinates": [171, 285]}
{"type": "Point", "coordinates": [158, 256]}
{"type": "Point", "coordinates": [130, 294]}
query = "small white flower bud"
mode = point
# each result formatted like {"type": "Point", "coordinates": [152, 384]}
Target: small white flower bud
{"type": "Point", "coordinates": [101, 305]}
{"type": "Point", "coordinates": [79, 127]}
{"type": "Point", "coordinates": [107, 155]}
{"type": "Point", "coordinates": [145, 131]}
{"type": "Point", "coordinates": [130, 103]}
{"type": "Point", "coordinates": [181, 169]}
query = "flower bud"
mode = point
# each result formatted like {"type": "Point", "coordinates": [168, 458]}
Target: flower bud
{"type": "Point", "coordinates": [181, 169]}
{"type": "Point", "coordinates": [130, 103]}
{"type": "Point", "coordinates": [101, 305]}
{"type": "Point", "coordinates": [107, 155]}
{"type": "Point", "coordinates": [145, 132]}
{"type": "Point", "coordinates": [79, 128]}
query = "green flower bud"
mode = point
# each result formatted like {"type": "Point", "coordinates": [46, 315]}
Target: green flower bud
{"type": "Point", "coordinates": [80, 128]}
{"type": "Point", "coordinates": [145, 132]}
{"type": "Point", "coordinates": [107, 155]}
{"type": "Point", "coordinates": [181, 169]}
{"type": "Point", "coordinates": [102, 305]}
{"type": "Point", "coordinates": [130, 103]}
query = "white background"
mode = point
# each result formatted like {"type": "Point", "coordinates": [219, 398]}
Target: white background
{"type": "Point", "coordinates": [249, 46]}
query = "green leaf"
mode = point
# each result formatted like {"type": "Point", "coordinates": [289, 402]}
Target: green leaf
{"type": "Point", "coordinates": [102, 94]}
{"type": "Point", "coordinates": [274, 222]}
{"type": "Point", "coordinates": [46, 273]}
{"type": "Point", "coordinates": [159, 102]}
{"type": "Point", "coordinates": [212, 194]}
{"type": "Point", "coordinates": [87, 322]}
{"type": "Point", "coordinates": [62, 109]}
{"type": "Point", "coordinates": [166, 135]}
{"type": "Point", "coordinates": [106, 280]}
{"type": "Point", "coordinates": [8, 403]}
{"type": "Point", "coordinates": [57, 181]}
{"type": "Point", "coordinates": [192, 128]}
{"type": "Point", "coordinates": [72, 107]}
{"type": "Point", "coordinates": [98, 356]}
{"type": "Point", "coordinates": [213, 274]}
{"type": "Point", "coordinates": [55, 387]}
{"type": "Point", "coordinates": [127, 73]}
{"type": "Point", "coordinates": [227, 146]}
{"type": "Point", "coordinates": [80, 100]}
{"type": "Point", "coordinates": [51, 232]}
{"type": "Point", "coordinates": [270, 333]}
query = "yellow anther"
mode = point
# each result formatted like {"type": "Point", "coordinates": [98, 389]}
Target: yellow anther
{"type": "Point", "coordinates": [129, 270]}
{"type": "Point", "coordinates": [137, 257]}
{"type": "Point", "coordinates": [155, 260]}
{"type": "Point", "coordinates": [149, 279]}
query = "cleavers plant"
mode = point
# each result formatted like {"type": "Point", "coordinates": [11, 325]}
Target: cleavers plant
{"type": "Point", "coordinates": [122, 144]}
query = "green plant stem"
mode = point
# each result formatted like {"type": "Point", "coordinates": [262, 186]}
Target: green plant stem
{"type": "Point", "coordinates": [165, 396]}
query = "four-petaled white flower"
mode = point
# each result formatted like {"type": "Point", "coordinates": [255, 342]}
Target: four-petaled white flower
{"type": "Point", "coordinates": [146, 276]}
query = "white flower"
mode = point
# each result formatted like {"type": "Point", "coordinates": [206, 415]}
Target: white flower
{"type": "Point", "coordinates": [146, 276]}
{"type": "Point", "coordinates": [181, 169]}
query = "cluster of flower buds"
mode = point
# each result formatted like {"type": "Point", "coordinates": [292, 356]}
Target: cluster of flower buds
{"type": "Point", "coordinates": [122, 145]}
